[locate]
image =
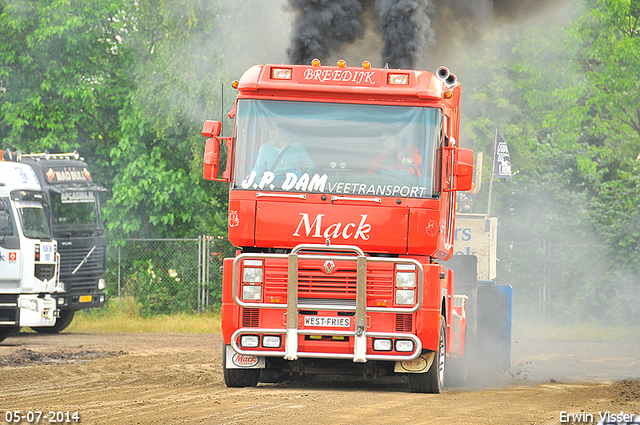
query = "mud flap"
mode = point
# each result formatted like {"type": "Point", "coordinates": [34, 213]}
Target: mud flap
{"type": "Point", "coordinates": [241, 361]}
{"type": "Point", "coordinates": [417, 365]}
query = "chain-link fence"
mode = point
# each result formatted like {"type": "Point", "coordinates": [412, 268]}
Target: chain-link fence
{"type": "Point", "coordinates": [168, 275]}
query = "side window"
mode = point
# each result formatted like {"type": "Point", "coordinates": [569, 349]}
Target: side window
{"type": "Point", "coordinates": [6, 222]}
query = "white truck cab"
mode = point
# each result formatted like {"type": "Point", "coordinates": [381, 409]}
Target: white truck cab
{"type": "Point", "coordinates": [29, 261]}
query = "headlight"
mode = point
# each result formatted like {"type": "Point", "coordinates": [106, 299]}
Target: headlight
{"type": "Point", "coordinates": [382, 345]}
{"type": "Point", "coordinates": [102, 283]}
{"type": "Point", "coordinates": [252, 275]}
{"type": "Point", "coordinates": [252, 292]}
{"type": "Point", "coordinates": [405, 279]}
{"type": "Point", "coordinates": [60, 300]}
{"type": "Point", "coordinates": [250, 341]}
{"type": "Point", "coordinates": [271, 341]}
{"type": "Point", "coordinates": [29, 304]}
{"type": "Point", "coordinates": [405, 296]}
{"type": "Point", "coordinates": [404, 345]}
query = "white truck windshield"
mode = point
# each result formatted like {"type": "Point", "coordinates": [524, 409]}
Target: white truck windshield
{"type": "Point", "coordinates": [335, 148]}
{"type": "Point", "coordinates": [33, 220]}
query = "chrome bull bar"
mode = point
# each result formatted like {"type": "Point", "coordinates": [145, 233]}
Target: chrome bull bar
{"type": "Point", "coordinates": [360, 308]}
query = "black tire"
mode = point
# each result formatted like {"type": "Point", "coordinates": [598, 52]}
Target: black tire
{"type": "Point", "coordinates": [235, 378]}
{"type": "Point", "coordinates": [66, 316]}
{"type": "Point", "coordinates": [5, 331]}
{"type": "Point", "coordinates": [432, 381]}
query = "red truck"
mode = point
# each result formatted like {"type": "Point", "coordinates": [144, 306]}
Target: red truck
{"type": "Point", "coordinates": [343, 184]}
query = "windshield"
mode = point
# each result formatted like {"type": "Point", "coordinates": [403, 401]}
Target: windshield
{"type": "Point", "coordinates": [75, 211]}
{"type": "Point", "coordinates": [34, 222]}
{"type": "Point", "coordinates": [340, 149]}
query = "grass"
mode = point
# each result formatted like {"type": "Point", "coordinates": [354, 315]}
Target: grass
{"type": "Point", "coordinates": [124, 316]}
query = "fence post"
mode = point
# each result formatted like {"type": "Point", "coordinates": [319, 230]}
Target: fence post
{"type": "Point", "coordinates": [118, 274]}
{"type": "Point", "coordinates": [207, 268]}
{"type": "Point", "coordinates": [199, 269]}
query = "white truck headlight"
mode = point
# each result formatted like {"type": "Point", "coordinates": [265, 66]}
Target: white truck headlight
{"type": "Point", "coordinates": [102, 283]}
{"type": "Point", "coordinates": [252, 292]}
{"type": "Point", "coordinates": [249, 341]}
{"type": "Point", "coordinates": [29, 304]}
{"type": "Point", "coordinates": [405, 296]}
{"type": "Point", "coordinates": [405, 279]}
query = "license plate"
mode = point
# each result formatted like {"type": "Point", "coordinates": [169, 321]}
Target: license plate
{"type": "Point", "coordinates": [86, 298]}
{"type": "Point", "coordinates": [340, 322]}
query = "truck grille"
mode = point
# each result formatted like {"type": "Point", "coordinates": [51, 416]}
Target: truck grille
{"type": "Point", "coordinates": [45, 271]}
{"type": "Point", "coordinates": [339, 287]}
{"type": "Point", "coordinates": [85, 278]}
{"type": "Point", "coordinates": [404, 322]}
{"type": "Point", "coordinates": [250, 317]}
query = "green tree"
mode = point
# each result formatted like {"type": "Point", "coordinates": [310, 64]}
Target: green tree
{"type": "Point", "coordinates": [158, 189]}
{"type": "Point", "coordinates": [63, 77]}
{"type": "Point", "coordinates": [607, 48]}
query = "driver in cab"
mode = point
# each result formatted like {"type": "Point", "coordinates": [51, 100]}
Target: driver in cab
{"type": "Point", "coordinates": [281, 156]}
{"type": "Point", "coordinates": [395, 155]}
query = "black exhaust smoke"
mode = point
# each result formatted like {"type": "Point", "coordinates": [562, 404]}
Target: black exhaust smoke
{"type": "Point", "coordinates": [408, 27]}
{"type": "Point", "coordinates": [323, 25]}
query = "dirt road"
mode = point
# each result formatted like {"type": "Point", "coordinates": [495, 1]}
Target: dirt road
{"type": "Point", "coordinates": [177, 379]}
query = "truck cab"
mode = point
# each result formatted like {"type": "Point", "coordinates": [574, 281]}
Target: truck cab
{"type": "Point", "coordinates": [73, 210]}
{"type": "Point", "coordinates": [342, 196]}
{"type": "Point", "coordinates": [29, 260]}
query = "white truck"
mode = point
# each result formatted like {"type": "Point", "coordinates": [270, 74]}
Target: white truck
{"type": "Point", "coordinates": [29, 261]}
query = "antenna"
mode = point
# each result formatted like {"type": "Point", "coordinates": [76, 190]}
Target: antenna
{"type": "Point", "coordinates": [222, 110]}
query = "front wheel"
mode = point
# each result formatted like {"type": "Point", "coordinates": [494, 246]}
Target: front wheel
{"type": "Point", "coordinates": [433, 380]}
{"type": "Point", "coordinates": [238, 377]}
{"type": "Point", "coordinates": [5, 332]}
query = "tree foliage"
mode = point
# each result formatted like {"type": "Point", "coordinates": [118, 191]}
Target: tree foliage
{"type": "Point", "coordinates": [128, 84]}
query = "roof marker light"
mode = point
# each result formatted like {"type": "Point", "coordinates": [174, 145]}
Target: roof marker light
{"type": "Point", "coordinates": [281, 73]}
{"type": "Point", "coordinates": [235, 84]}
{"type": "Point", "coordinates": [342, 63]}
{"type": "Point", "coordinates": [366, 65]}
{"type": "Point", "coordinates": [315, 63]}
{"type": "Point", "coordinates": [398, 79]}
{"type": "Point", "coordinates": [448, 95]}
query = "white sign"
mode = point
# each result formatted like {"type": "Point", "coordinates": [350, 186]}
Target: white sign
{"type": "Point", "coordinates": [341, 322]}
{"type": "Point", "coordinates": [77, 197]}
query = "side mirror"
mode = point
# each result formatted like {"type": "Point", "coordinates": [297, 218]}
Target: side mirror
{"type": "Point", "coordinates": [211, 158]}
{"type": "Point", "coordinates": [211, 128]}
{"type": "Point", "coordinates": [463, 170]}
